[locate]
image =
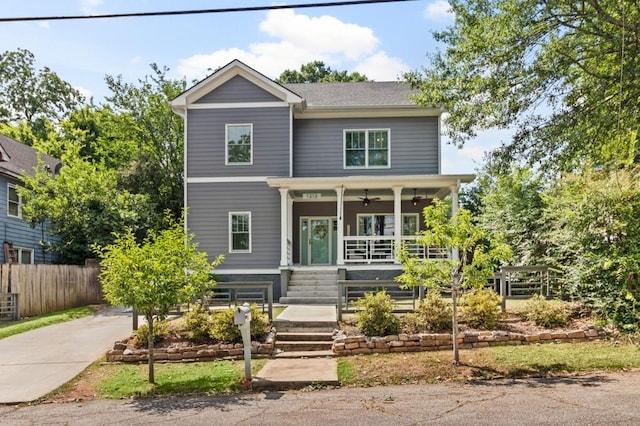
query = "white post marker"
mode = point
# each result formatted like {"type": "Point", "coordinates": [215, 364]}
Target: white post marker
{"type": "Point", "coordinates": [242, 318]}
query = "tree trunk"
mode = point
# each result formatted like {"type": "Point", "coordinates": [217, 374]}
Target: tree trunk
{"type": "Point", "coordinates": [454, 334]}
{"type": "Point", "coordinates": [150, 347]}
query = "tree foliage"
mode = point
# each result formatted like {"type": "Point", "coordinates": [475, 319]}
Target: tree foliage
{"type": "Point", "coordinates": [31, 95]}
{"type": "Point", "coordinates": [166, 269]}
{"type": "Point", "coordinates": [318, 72]}
{"type": "Point", "coordinates": [564, 73]}
{"type": "Point", "coordinates": [473, 258]}
{"type": "Point", "coordinates": [594, 237]}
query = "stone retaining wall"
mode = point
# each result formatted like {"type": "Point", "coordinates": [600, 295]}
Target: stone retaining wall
{"type": "Point", "coordinates": [120, 352]}
{"type": "Point", "coordinates": [355, 345]}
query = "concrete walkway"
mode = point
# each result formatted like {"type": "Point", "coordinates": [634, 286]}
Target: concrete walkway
{"type": "Point", "coordinates": [34, 363]}
{"type": "Point", "coordinates": [295, 373]}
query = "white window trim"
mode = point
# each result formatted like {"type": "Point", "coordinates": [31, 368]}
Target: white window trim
{"type": "Point", "coordinates": [231, 214]}
{"type": "Point", "coordinates": [366, 152]}
{"type": "Point", "coordinates": [19, 216]}
{"type": "Point", "coordinates": [417, 216]}
{"type": "Point", "coordinates": [402, 216]}
{"type": "Point", "coordinates": [20, 250]}
{"type": "Point", "coordinates": [226, 145]}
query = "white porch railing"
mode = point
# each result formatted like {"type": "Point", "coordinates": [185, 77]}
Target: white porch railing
{"type": "Point", "coordinates": [382, 249]}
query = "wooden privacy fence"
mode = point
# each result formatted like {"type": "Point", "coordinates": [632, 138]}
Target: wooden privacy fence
{"type": "Point", "coordinates": [43, 289]}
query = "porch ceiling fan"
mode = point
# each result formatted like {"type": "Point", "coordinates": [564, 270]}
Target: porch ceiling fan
{"type": "Point", "coordinates": [366, 200]}
{"type": "Point", "coordinates": [416, 198]}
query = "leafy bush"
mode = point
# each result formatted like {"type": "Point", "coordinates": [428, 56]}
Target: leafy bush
{"type": "Point", "coordinates": [198, 324]}
{"type": "Point", "coordinates": [434, 313]}
{"type": "Point", "coordinates": [546, 313]}
{"type": "Point", "coordinates": [479, 308]}
{"type": "Point", "coordinates": [141, 335]}
{"type": "Point", "coordinates": [376, 317]}
{"type": "Point", "coordinates": [224, 329]}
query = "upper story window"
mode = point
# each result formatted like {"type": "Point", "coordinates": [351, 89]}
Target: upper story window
{"type": "Point", "coordinates": [366, 148]}
{"type": "Point", "coordinates": [14, 202]}
{"type": "Point", "coordinates": [239, 144]}
{"type": "Point", "coordinates": [240, 232]}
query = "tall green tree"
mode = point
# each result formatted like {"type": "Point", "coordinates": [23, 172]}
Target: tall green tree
{"type": "Point", "coordinates": [147, 123]}
{"type": "Point", "coordinates": [473, 257]}
{"type": "Point", "coordinates": [166, 269]}
{"type": "Point", "coordinates": [318, 72]}
{"type": "Point", "coordinates": [562, 72]}
{"type": "Point", "coordinates": [82, 205]}
{"type": "Point", "coordinates": [31, 95]}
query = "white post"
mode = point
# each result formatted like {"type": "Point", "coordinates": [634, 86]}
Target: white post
{"type": "Point", "coordinates": [284, 225]}
{"type": "Point", "coordinates": [397, 220]}
{"type": "Point", "coordinates": [289, 241]}
{"type": "Point", "coordinates": [340, 211]}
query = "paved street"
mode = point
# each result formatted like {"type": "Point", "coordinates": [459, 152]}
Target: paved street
{"type": "Point", "coordinates": [586, 400]}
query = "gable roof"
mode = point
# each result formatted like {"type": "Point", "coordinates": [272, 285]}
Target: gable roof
{"type": "Point", "coordinates": [17, 157]}
{"type": "Point", "coordinates": [226, 73]}
{"type": "Point", "coordinates": [317, 100]}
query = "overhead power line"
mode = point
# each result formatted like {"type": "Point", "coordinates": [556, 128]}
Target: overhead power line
{"type": "Point", "coordinates": [199, 11]}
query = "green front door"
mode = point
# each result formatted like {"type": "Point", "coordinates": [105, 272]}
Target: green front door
{"type": "Point", "coordinates": [319, 232]}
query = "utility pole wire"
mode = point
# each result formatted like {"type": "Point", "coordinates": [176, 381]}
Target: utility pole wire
{"type": "Point", "coordinates": [199, 11]}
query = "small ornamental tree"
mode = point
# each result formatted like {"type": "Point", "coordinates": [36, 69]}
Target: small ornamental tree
{"type": "Point", "coordinates": [165, 270]}
{"type": "Point", "coordinates": [472, 261]}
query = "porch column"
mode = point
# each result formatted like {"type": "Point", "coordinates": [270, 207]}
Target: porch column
{"type": "Point", "coordinates": [397, 220]}
{"type": "Point", "coordinates": [340, 236]}
{"type": "Point", "coordinates": [289, 230]}
{"type": "Point", "coordinates": [455, 255]}
{"type": "Point", "coordinates": [284, 227]}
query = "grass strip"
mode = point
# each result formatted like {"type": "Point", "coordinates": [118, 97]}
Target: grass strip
{"type": "Point", "coordinates": [27, 324]}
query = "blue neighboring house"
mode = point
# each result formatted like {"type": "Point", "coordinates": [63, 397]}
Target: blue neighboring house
{"type": "Point", "coordinates": [21, 243]}
{"type": "Point", "coordinates": [306, 184]}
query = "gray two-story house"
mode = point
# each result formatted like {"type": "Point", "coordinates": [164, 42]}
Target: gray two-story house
{"type": "Point", "coordinates": [322, 178]}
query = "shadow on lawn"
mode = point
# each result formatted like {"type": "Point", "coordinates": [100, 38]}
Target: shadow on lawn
{"type": "Point", "coordinates": [535, 376]}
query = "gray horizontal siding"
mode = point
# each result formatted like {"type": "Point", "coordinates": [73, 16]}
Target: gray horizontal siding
{"type": "Point", "coordinates": [208, 218]}
{"type": "Point", "coordinates": [238, 89]}
{"type": "Point", "coordinates": [206, 142]}
{"type": "Point", "coordinates": [17, 231]}
{"type": "Point", "coordinates": [318, 146]}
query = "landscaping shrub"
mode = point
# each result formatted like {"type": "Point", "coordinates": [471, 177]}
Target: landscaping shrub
{"type": "Point", "coordinates": [198, 324]}
{"type": "Point", "coordinates": [141, 335]}
{"type": "Point", "coordinates": [224, 329]}
{"type": "Point", "coordinates": [480, 308]}
{"type": "Point", "coordinates": [546, 313]}
{"type": "Point", "coordinates": [376, 317]}
{"type": "Point", "coordinates": [434, 313]}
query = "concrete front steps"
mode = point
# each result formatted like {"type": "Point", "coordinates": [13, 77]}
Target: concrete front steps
{"type": "Point", "coordinates": [312, 286]}
{"type": "Point", "coordinates": [305, 331]}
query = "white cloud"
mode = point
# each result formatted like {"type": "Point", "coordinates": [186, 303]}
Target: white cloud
{"type": "Point", "coordinates": [300, 39]}
{"type": "Point", "coordinates": [438, 10]}
{"type": "Point", "coordinates": [43, 24]}
{"type": "Point", "coordinates": [90, 6]}
{"type": "Point", "coordinates": [381, 67]}
{"type": "Point", "coordinates": [84, 92]}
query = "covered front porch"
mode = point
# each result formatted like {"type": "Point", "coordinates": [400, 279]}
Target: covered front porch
{"type": "Point", "coordinates": [357, 220]}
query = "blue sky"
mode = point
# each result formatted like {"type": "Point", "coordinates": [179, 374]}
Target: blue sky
{"type": "Point", "coordinates": [379, 40]}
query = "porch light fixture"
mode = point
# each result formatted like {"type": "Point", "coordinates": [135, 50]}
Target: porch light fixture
{"type": "Point", "coordinates": [416, 199]}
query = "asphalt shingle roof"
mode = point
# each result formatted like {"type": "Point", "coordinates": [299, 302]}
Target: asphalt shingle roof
{"type": "Point", "coordinates": [353, 94]}
{"type": "Point", "coordinates": [22, 158]}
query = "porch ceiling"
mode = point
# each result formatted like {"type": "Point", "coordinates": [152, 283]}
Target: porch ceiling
{"type": "Point", "coordinates": [435, 182]}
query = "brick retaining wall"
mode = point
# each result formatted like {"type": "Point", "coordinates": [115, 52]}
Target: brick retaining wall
{"type": "Point", "coordinates": [355, 345]}
{"type": "Point", "coordinates": [120, 352]}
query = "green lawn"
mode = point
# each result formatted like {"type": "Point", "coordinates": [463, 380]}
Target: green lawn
{"type": "Point", "coordinates": [9, 328]}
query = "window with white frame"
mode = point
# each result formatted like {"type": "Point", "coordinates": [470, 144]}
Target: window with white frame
{"type": "Point", "coordinates": [14, 202]}
{"type": "Point", "coordinates": [239, 144]}
{"type": "Point", "coordinates": [24, 255]}
{"type": "Point", "coordinates": [240, 232]}
{"type": "Point", "coordinates": [384, 224]}
{"type": "Point", "coordinates": [366, 148]}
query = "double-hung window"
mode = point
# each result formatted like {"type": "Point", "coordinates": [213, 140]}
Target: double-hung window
{"type": "Point", "coordinates": [239, 144]}
{"type": "Point", "coordinates": [366, 148]}
{"type": "Point", "coordinates": [25, 256]}
{"type": "Point", "coordinates": [240, 232]}
{"type": "Point", "coordinates": [384, 224]}
{"type": "Point", "coordinates": [14, 202]}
